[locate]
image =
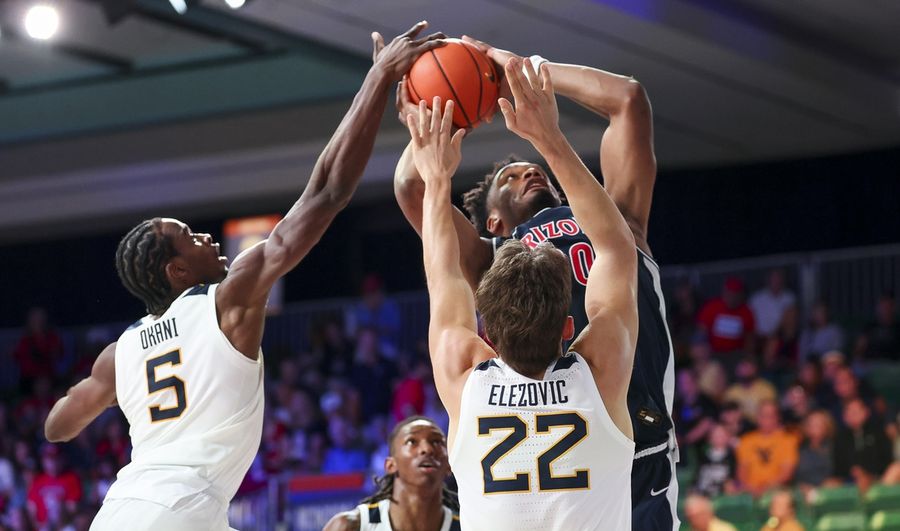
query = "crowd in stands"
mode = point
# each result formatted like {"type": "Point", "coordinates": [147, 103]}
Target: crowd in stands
{"type": "Point", "coordinates": [766, 406]}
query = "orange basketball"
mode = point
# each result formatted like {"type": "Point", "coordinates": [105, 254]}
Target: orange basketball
{"type": "Point", "coordinates": [458, 72]}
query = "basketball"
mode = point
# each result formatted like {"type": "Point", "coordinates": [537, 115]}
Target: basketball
{"type": "Point", "coordinates": [460, 72]}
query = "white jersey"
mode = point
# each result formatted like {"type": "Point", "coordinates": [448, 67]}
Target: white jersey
{"type": "Point", "coordinates": [540, 454]}
{"type": "Point", "coordinates": [376, 517]}
{"type": "Point", "coordinates": [194, 404]}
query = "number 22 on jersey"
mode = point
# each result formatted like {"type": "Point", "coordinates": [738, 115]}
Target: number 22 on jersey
{"type": "Point", "coordinates": [518, 429]}
{"type": "Point", "coordinates": [173, 382]}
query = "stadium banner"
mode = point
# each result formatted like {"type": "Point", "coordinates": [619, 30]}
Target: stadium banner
{"type": "Point", "coordinates": [242, 233]}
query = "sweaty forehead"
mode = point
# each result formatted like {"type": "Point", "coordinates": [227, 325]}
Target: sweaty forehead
{"type": "Point", "coordinates": [173, 226]}
{"type": "Point", "coordinates": [421, 428]}
{"type": "Point", "coordinates": [511, 167]}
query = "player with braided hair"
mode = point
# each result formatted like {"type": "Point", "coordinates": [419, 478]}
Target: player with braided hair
{"type": "Point", "coordinates": [189, 375]}
{"type": "Point", "coordinates": [411, 494]}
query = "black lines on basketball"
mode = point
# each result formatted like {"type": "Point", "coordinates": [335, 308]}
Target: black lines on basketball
{"type": "Point", "coordinates": [459, 102]}
{"type": "Point", "coordinates": [480, 82]}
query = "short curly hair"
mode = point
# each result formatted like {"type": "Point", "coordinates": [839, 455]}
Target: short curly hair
{"type": "Point", "coordinates": [475, 200]}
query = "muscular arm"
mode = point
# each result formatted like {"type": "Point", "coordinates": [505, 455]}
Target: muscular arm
{"type": "Point", "coordinates": [452, 330]}
{"type": "Point", "coordinates": [242, 296]}
{"type": "Point", "coordinates": [608, 341]}
{"type": "Point", "coordinates": [476, 252]}
{"type": "Point", "coordinates": [626, 148]}
{"type": "Point", "coordinates": [85, 401]}
{"type": "Point", "coordinates": [627, 159]}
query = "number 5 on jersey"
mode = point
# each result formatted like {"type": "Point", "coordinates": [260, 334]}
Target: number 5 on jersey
{"type": "Point", "coordinates": [176, 384]}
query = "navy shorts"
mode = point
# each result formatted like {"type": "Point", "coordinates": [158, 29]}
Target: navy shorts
{"type": "Point", "coordinates": [654, 492]}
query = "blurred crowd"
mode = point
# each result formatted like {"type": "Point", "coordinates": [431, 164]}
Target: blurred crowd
{"type": "Point", "coordinates": [763, 402]}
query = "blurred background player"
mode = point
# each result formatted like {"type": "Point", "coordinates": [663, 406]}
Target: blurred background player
{"type": "Point", "coordinates": [411, 494]}
{"type": "Point", "coordinates": [576, 464]}
{"type": "Point", "coordinates": [189, 375]}
{"type": "Point", "coordinates": [517, 199]}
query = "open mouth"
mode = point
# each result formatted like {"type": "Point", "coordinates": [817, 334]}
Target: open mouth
{"type": "Point", "coordinates": [429, 464]}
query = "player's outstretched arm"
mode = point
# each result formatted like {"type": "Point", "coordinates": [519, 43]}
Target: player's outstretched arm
{"type": "Point", "coordinates": [476, 252]}
{"type": "Point", "coordinates": [452, 331]}
{"type": "Point", "coordinates": [608, 342]}
{"type": "Point", "coordinates": [85, 401]}
{"type": "Point", "coordinates": [242, 296]}
{"type": "Point", "coordinates": [627, 158]}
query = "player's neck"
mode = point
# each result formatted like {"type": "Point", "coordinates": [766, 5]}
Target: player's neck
{"type": "Point", "coordinates": [416, 510]}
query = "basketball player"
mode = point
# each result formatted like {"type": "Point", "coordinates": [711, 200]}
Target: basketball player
{"type": "Point", "coordinates": [518, 200]}
{"type": "Point", "coordinates": [189, 375]}
{"type": "Point", "coordinates": [411, 495]}
{"type": "Point", "coordinates": [537, 440]}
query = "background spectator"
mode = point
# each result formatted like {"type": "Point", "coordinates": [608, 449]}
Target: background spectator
{"type": "Point", "coordinates": [728, 321]}
{"type": "Point", "coordinates": [862, 450]}
{"type": "Point", "coordinates": [698, 511]}
{"type": "Point", "coordinates": [716, 472]}
{"type": "Point", "coordinates": [693, 412]}
{"type": "Point", "coordinates": [767, 457]}
{"type": "Point", "coordinates": [881, 339]}
{"type": "Point", "coordinates": [377, 312]}
{"type": "Point", "coordinates": [821, 334]}
{"type": "Point", "coordinates": [750, 390]}
{"type": "Point", "coordinates": [770, 303]}
{"type": "Point", "coordinates": [815, 461]}
{"type": "Point", "coordinates": [711, 376]}
{"type": "Point", "coordinates": [38, 351]}
{"type": "Point", "coordinates": [783, 513]}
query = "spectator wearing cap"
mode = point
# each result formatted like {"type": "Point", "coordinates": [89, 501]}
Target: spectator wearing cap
{"type": "Point", "coordinates": [750, 390]}
{"type": "Point", "coordinates": [821, 335]}
{"type": "Point", "coordinates": [54, 492]}
{"type": "Point", "coordinates": [881, 339]}
{"type": "Point", "coordinates": [766, 457]}
{"type": "Point", "coordinates": [727, 320]}
{"type": "Point", "coordinates": [862, 450]}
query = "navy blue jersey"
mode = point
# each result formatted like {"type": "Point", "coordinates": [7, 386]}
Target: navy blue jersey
{"type": "Point", "coordinates": [652, 387]}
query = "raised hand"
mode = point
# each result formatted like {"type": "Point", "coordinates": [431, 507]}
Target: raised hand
{"type": "Point", "coordinates": [500, 58]}
{"type": "Point", "coordinates": [398, 56]}
{"type": "Point", "coordinates": [436, 153]}
{"type": "Point", "coordinates": [535, 116]}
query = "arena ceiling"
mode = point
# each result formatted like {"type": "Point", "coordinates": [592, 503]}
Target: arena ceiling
{"type": "Point", "coordinates": [134, 109]}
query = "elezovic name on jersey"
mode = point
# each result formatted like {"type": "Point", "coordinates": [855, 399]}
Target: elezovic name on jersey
{"type": "Point", "coordinates": [529, 394]}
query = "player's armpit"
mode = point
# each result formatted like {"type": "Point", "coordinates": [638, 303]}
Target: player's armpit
{"type": "Point", "coordinates": [346, 521]}
{"type": "Point", "coordinates": [607, 343]}
{"type": "Point", "coordinates": [85, 401]}
{"type": "Point", "coordinates": [455, 351]}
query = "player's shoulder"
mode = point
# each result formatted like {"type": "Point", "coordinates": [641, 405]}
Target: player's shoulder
{"type": "Point", "coordinates": [345, 521]}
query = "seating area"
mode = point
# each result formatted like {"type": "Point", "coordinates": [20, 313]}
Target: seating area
{"type": "Point", "coordinates": [831, 509]}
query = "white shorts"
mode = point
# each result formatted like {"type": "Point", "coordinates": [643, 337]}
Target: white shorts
{"type": "Point", "coordinates": [193, 513]}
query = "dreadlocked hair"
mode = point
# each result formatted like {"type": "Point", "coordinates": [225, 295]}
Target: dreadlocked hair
{"type": "Point", "coordinates": [385, 484]}
{"type": "Point", "coordinates": [141, 263]}
{"type": "Point", "coordinates": [475, 200]}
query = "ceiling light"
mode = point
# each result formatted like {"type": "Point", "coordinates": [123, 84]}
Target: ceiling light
{"type": "Point", "coordinates": [41, 22]}
{"type": "Point", "coordinates": [235, 4]}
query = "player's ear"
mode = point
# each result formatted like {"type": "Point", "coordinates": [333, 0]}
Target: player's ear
{"type": "Point", "coordinates": [390, 465]}
{"type": "Point", "coordinates": [494, 224]}
{"type": "Point", "coordinates": [176, 270]}
{"type": "Point", "coordinates": [568, 331]}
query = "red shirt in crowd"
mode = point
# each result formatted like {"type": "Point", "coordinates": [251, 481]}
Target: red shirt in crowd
{"type": "Point", "coordinates": [727, 327]}
{"type": "Point", "coordinates": [47, 490]}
